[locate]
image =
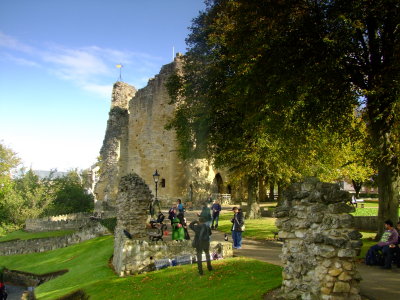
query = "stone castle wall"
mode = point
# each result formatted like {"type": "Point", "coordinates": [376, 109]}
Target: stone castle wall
{"type": "Point", "coordinates": [320, 243]}
{"type": "Point", "coordinates": [136, 141]}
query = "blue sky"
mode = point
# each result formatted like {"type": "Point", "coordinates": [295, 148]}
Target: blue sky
{"type": "Point", "coordinates": [57, 68]}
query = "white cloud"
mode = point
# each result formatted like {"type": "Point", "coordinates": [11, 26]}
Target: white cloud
{"type": "Point", "coordinates": [75, 64]}
{"type": "Point", "coordinates": [90, 68]}
{"type": "Point", "coordinates": [9, 42]}
{"type": "Point", "coordinates": [20, 61]}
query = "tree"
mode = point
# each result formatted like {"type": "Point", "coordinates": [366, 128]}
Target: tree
{"type": "Point", "coordinates": [70, 195]}
{"type": "Point", "coordinates": [298, 69]}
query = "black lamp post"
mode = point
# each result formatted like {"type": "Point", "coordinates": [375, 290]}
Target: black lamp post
{"type": "Point", "coordinates": [156, 177]}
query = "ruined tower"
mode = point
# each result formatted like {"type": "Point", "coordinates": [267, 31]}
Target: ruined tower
{"type": "Point", "coordinates": [136, 141]}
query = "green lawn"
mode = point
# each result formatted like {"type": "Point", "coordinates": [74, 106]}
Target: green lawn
{"type": "Point", "coordinates": [263, 228]}
{"type": "Point", "coordinates": [24, 235]}
{"type": "Point", "coordinates": [88, 270]}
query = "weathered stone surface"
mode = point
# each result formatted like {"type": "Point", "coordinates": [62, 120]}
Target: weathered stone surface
{"type": "Point", "coordinates": [319, 250]}
{"type": "Point", "coordinates": [136, 140]}
{"type": "Point", "coordinates": [341, 287]}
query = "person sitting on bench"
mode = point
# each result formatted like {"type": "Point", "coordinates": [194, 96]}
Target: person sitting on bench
{"type": "Point", "coordinates": [389, 237]}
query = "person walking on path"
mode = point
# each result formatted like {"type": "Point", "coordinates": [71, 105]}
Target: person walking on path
{"type": "Point", "coordinates": [201, 242]}
{"type": "Point", "coordinates": [237, 227]}
{"type": "Point", "coordinates": [216, 209]}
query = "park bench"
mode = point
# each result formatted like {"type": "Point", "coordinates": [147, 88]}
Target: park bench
{"type": "Point", "coordinates": [355, 202]}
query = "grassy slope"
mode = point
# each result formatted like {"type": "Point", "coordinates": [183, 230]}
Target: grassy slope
{"type": "Point", "coordinates": [88, 270]}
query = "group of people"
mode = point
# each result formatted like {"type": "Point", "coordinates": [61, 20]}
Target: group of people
{"type": "Point", "coordinates": [387, 249]}
{"type": "Point", "coordinates": [202, 228]}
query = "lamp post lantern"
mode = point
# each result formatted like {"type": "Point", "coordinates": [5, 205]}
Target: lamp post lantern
{"type": "Point", "coordinates": [155, 203]}
{"type": "Point", "coordinates": [156, 177]}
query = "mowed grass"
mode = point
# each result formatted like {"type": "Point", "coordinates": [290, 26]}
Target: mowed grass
{"type": "Point", "coordinates": [89, 270]}
{"type": "Point", "coordinates": [24, 235]}
{"type": "Point", "coordinates": [263, 228]}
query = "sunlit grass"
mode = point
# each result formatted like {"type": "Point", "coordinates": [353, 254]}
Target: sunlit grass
{"type": "Point", "coordinates": [88, 270]}
{"type": "Point", "coordinates": [263, 228]}
{"type": "Point", "coordinates": [24, 235]}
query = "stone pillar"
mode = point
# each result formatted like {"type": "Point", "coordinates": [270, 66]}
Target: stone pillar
{"type": "Point", "coordinates": [114, 147]}
{"type": "Point", "coordinates": [320, 244]}
{"type": "Point", "coordinates": [134, 198]}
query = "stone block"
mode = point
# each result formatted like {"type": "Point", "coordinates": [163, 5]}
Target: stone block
{"type": "Point", "coordinates": [341, 287]}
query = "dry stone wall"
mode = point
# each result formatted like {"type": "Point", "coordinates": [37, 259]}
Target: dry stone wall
{"type": "Point", "coordinates": [51, 243]}
{"type": "Point", "coordinates": [136, 255]}
{"type": "Point", "coordinates": [320, 243]}
{"type": "Point", "coordinates": [60, 222]}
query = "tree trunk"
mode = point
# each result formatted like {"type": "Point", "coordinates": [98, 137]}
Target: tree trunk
{"type": "Point", "coordinates": [262, 190]}
{"type": "Point", "coordinates": [388, 185]}
{"type": "Point", "coordinates": [271, 191]}
{"type": "Point", "coordinates": [357, 187]}
{"type": "Point", "coordinates": [253, 209]}
{"type": "Point", "coordinates": [280, 190]}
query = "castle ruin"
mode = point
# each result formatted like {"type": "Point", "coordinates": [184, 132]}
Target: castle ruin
{"type": "Point", "coordinates": [136, 141]}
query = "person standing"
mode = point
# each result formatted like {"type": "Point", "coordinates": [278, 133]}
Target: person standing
{"type": "Point", "coordinates": [216, 209]}
{"type": "Point", "coordinates": [181, 208]}
{"type": "Point", "coordinates": [237, 227]}
{"type": "Point", "coordinates": [172, 213]}
{"type": "Point", "coordinates": [201, 242]}
{"type": "Point", "coordinates": [205, 214]}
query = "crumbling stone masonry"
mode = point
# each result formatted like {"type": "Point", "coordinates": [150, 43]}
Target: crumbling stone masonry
{"type": "Point", "coordinates": [136, 255]}
{"type": "Point", "coordinates": [320, 244]}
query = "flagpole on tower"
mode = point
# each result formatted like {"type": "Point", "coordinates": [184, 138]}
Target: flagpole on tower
{"type": "Point", "coordinates": [119, 66]}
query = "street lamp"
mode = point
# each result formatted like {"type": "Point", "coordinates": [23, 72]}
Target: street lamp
{"type": "Point", "coordinates": [156, 177]}
{"type": "Point", "coordinates": [155, 203]}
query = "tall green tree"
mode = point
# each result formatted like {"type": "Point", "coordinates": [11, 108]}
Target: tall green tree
{"type": "Point", "coordinates": [293, 70]}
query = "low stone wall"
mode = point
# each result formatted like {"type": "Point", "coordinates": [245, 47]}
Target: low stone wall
{"type": "Point", "coordinates": [64, 222]}
{"type": "Point", "coordinates": [137, 256]}
{"type": "Point", "coordinates": [94, 229]}
{"type": "Point", "coordinates": [61, 222]}
{"type": "Point", "coordinates": [366, 223]}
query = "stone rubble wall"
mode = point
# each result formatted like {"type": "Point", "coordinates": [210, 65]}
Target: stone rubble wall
{"type": "Point", "coordinates": [320, 243]}
{"type": "Point", "coordinates": [91, 231]}
{"type": "Point", "coordinates": [137, 256]}
{"type": "Point", "coordinates": [60, 222]}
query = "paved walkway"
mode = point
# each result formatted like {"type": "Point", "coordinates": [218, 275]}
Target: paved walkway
{"type": "Point", "coordinates": [377, 284]}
